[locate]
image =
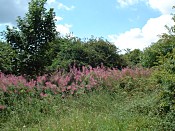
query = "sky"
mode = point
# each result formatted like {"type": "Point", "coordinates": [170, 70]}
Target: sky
{"type": "Point", "coordinates": [133, 24]}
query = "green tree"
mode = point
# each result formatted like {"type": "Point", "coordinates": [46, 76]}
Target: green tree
{"type": "Point", "coordinates": [69, 52]}
{"type": "Point", "coordinates": [32, 37]}
{"type": "Point", "coordinates": [72, 51]}
{"type": "Point", "coordinates": [132, 58]}
{"type": "Point", "coordinates": [102, 52]}
{"type": "Point", "coordinates": [161, 48]}
{"type": "Point", "coordinates": [7, 58]}
{"type": "Point", "coordinates": [152, 54]}
{"type": "Point", "coordinates": [164, 54]}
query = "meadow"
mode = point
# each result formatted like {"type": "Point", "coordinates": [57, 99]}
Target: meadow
{"type": "Point", "coordinates": [82, 99]}
{"type": "Point", "coordinates": [46, 83]}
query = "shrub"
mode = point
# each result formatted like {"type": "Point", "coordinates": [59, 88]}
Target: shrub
{"type": "Point", "coordinates": [165, 76]}
{"type": "Point", "coordinates": [7, 58]}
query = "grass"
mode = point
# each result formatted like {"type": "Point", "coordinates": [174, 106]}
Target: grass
{"type": "Point", "coordinates": [97, 110]}
{"type": "Point", "coordinates": [88, 100]}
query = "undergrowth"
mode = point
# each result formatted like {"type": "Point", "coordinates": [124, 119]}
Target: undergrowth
{"type": "Point", "coordinates": [91, 99]}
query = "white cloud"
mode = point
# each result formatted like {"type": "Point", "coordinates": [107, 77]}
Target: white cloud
{"type": "Point", "coordinates": [63, 29]}
{"type": "Point", "coordinates": [51, 1]}
{"type": "Point", "coordinates": [62, 6]}
{"type": "Point", "coordinates": [139, 38]}
{"type": "Point", "coordinates": [143, 37]}
{"type": "Point", "coordinates": [164, 6]}
{"type": "Point", "coordinates": [124, 3]}
{"type": "Point", "coordinates": [58, 18]}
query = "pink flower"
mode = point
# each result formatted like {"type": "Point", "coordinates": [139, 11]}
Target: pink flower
{"type": "Point", "coordinates": [63, 89]}
{"type": "Point", "coordinates": [31, 84]}
{"type": "Point", "coordinates": [2, 107]}
{"type": "Point", "coordinates": [4, 88]}
{"type": "Point", "coordinates": [41, 79]}
{"type": "Point", "coordinates": [43, 94]}
{"type": "Point", "coordinates": [69, 87]}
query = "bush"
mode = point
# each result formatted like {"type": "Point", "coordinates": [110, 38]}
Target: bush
{"type": "Point", "coordinates": [165, 76]}
{"type": "Point", "coordinates": [132, 58]}
{"type": "Point", "coordinates": [7, 58]}
{"type": "Point", "coordinates": [161, 48]}
{"type": "Point", "coordinates": [74, 52]}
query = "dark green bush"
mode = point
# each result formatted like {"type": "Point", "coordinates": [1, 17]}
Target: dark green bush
{"type": "Point", "coordinates": [72, 51]}
{"type": "Point", "coordinates": [161, 48]}
{"type": "Point", "coordinates": [7, 59]}
{"type": "Point", "coordinates": [165, 76]}
{"type": "Point", "coordinates": [132, 58]}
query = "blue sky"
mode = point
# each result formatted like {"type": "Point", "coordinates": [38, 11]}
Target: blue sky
{"type": "Point", "coordinates": [126, 23]}
{"type": "Point", "coordinates": [101, 17]}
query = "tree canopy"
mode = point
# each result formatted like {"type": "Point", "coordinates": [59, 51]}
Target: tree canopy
{"type": "Point", "coordinates": [31, 38]}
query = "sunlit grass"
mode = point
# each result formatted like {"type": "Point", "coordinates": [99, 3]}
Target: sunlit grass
{"type": "Point", "coordinates": [94, 111]}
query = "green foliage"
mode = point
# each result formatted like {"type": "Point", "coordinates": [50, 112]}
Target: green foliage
{"type": "Point", "coordinates": [72, 51]}
{"type": "Point", "coordinates": [166, 73]}
{"type": "Point", "coordinates": [165, 76]}
{"type": "Point", "coordinates": [67, 51]}
{"type": "Point", "coordinates": [132, 58]}
{"type": "Point", "coordinates": [7, 58]}
{"type": "Point", "coordinates": [151, 54]}
{"type": "Point", "coordinates": [31, 38]}
{"type": "Point", "coordinates": [102, 52]}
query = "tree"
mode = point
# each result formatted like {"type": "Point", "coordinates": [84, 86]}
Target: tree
{"type": "Point", "coordinates": [163, 54]}
{"type": "Point", "coordinates": [6, 59]}
{"type": "Point", "coordinates": [32, 37]}
{"type": "Point", "coordinates": [152, 54]}
{"type": "Point", "coordinates": [94, 52]}
{"type": "Point", "coordinates": [132, 58]}
{"type": "Point", "coordinates": [69, 52]}
{"type": "Point", "coordinates": [102, 52]}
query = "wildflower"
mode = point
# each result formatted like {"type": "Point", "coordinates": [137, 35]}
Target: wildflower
{"type": "Point", "coordinates": [43, 94]}
{"type": "Point", "coordinates": [69, 87]}
{"type": "Point", "coordinates": [2, 107]}
{"type": "Point", "coordinates": [4, 88]}
{"type": "Point", "coordinates": [63, 89]}
{"type": "Point", "coordinates": [41, 79]}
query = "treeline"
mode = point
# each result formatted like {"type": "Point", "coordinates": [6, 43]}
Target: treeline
{"type": "Point", "coordinates": [62, 53]}
{"type": "Point", "coordinates": [34, 47]}
{"type": "Point", "coordinates": [65, 52]}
